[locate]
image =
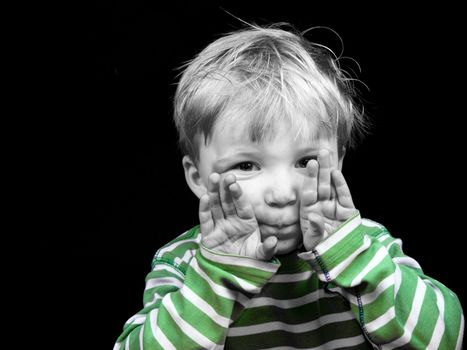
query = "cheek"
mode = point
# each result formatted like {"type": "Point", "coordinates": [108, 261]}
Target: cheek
{"type": "Point", "coordinates": [252, 191]}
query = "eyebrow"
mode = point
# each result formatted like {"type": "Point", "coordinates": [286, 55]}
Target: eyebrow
{"type": "Point", "coordinates": [308, 149]}
{"type": "Point", "coordinates": [228, 158]}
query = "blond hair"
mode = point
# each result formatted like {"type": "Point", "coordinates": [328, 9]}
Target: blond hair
{"type": "Point", "coordinates": [266, 75]}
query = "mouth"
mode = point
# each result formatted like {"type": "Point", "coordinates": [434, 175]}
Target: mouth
{"type": "Point", "coordinates": [281, 229]}
{"type": "Point", "coordinates": [278, 225]}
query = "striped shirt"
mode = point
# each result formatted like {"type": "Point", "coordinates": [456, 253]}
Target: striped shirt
{"type": "Point", "coordinates": [355, 290]}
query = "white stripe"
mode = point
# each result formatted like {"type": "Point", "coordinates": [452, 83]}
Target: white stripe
{"type": "Point", "coordinates": [163, 281]}
{"type": "Point", "coordinates": [371, 223]}
{"type": "Point", "coordinates": [136, 319]}
{"type": "Point", "coordinates": [382, 320]}
{"type": "Point", "coordinates": [165, 267]}
{"type": "Point", "coordinates": [237, 260]}
{"type": "Point", "coordinates": [336, 271]}
{"type": "Point", "coordinates": [127, 342]}
{"type": "Point", "coordinates": [397, 242]}
{"type": "Point", "coordinates": [117, 346]}
{"type": "Point", "coordinates": [218, 289]}
{"type": "Point", "coordinates": [384, 237]}
{"type": "Point", "coordinates": [189, 254]}
{"type": "Point", "coordinates": [339, 235]}
{"type": "Point", "coordinates": [292, 328]}
{"type": "Point", "coordinates": [348, 296]}
{"type": "Point", "coordinates": [333, 344]}
{"type": "Point", "coordinates": [187, 329]}
{"type": "Point", "coordinates": [413, 317]}
{"type": "Point", "coordinates": [368, 298]}
{"type": "Point", "coordinates": [377, 258]}
{"type": "Point", "coordinates": [141, 338]}
{"type": "Point", "coordinates": [157, 332]}
{"type": "Point", "coordinates": [290, 303]}
{"type": "Point", "coordinates": [155, 298]}
{"type": "Point", "coordinates": [461, 334]}
{"type": "Point", "coordinates": [205, 307]}
{"type": "Point", "coordinates": [171, 247]}
{"type": "Point", "coordinates": [292, 277]}
{"type": "Point", "coordinates": [380, 288]}
{"type": "Point", "coordinates": [397, 281]}
{"type": "Point", "coordinates": [407, 261]}
{"type": "Point", "coordinates": [438, 332]}
{"type": "Point", "coordinates": [247, 286]}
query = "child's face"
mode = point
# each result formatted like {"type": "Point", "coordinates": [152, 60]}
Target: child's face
{"type": "Point", "coordinates": [270, 174]}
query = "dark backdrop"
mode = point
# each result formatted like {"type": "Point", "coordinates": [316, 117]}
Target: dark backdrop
{"type": "Point", "coordinates": [125, 193]}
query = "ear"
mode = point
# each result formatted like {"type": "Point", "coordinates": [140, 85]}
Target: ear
{"type": "Point", "coordinates": [341, 158]}
{"type": "Point", "coordinates": [193, 177]}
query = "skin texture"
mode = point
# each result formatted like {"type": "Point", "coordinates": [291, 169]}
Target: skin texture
{"type": "Point", "coordinates": [261, 200]}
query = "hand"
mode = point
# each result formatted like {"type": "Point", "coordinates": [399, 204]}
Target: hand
{"type": "Point", "coordinates": [324, 205]}
{"type": "Point", "coordinates": [228, 223]}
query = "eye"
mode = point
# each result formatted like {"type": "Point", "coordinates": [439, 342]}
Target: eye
{"type": "Point", "coordinates": [304, 161]}
{"type": "Point", "coordinates": [245, 166]}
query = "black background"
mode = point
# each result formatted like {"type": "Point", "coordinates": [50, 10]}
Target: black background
{"type": "Point", "coordinates": [123, 189]}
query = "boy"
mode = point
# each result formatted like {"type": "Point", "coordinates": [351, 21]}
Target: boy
{"type": "Point", "coordinates": [281, 258]}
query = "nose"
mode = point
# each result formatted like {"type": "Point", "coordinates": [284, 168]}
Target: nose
{"type": "Point", "coordinates": [281, 190]}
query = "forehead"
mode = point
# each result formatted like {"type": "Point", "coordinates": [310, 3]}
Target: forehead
{"type": "Point", "coordinates": [243, 131]}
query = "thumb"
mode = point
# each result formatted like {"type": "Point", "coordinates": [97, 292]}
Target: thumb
{"type": "Point", "coordinates": [267, 249]}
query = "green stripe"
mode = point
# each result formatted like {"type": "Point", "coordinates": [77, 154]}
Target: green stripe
{"type": "Point", "coordinates": [315, 338]}
{"type": "Point", "coordinates": [198, 285]}
{"type": "Point", "coordinates": [452, 318]}
{"type": "Point", "coordinates": [296, 315]}
{"type": "Point", "coordinates": [426, 322]}
{"type": "Point", "coordinates": [149, 341]}
{"type": "Point", "coordinates": [221, 275]}
{"type": "Point", "coordinates": [344, 248]}
{"type": "Point", "coordinates": [292, 290]}
{"type": "Point", "coordinates": [134, 339]}
{"type": "Point", "coordinates": [173, 332]}
{"type": "Point", "coordinates": [197, 319]}
{"type": "Point", "coordinates": [382, 270]}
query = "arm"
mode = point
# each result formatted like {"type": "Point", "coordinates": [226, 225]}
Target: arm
{"type": "Point", "coordinates": [192, 307]}
{"type": "Point", "coordinates": [395, 303]}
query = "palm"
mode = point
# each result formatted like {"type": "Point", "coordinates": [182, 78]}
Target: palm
{"type": "Point", "coordinates": [228, 223]}
{"type": "Point", "coordinates": [234, 235]}
{"type": "Point", "coordinates": [325, 204]}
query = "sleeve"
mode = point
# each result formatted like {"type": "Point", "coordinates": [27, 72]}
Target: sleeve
{"type": "Point", "coordinates": [396, 304]}
{"type": "Point", "coordinates": [193, 309]}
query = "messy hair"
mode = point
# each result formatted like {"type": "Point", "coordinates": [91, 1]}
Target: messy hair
{"type": "Point", "coordinates": [266, 75]}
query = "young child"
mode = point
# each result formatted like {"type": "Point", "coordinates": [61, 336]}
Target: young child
{"type": "Point", "coordinates": [281, 258]}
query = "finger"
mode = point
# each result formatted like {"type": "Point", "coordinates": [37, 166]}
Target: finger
{"type": "Point", "coordinates": [342, 189]}
{"type": "Point", "coordinates": [310, 184]}
{"type": "Point", "coordinates": [214, 199]}
{"type": "Point", "coordinates": [324, 175]}
{"type": "Point", "coordinates": [267, 249]}
{"type": "Point", "coordinates": [333, 191]}
{"type": "Point", "coordinates": [242, 206]}
{"type": "Point", "coordinates": [205, 216]}
{"type": "Point", "coordinates": [227, 203]}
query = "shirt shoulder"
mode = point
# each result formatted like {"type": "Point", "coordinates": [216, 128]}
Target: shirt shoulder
{"type": "Point", "coordinates": [179, 252]}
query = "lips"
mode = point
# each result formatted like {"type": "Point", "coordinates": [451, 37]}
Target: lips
{"type": "Point", "coordinates": [281, 229]}
{"type": "Point", "coordinates": [278, 225]}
